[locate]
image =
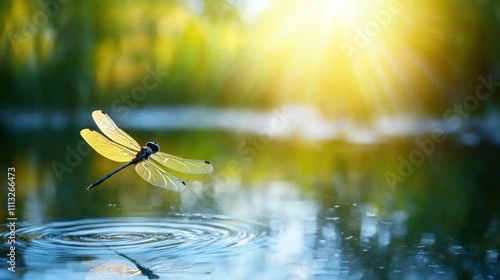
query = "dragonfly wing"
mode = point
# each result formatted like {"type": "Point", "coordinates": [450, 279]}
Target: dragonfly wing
{"type": "Point", "coordinates": [106, 147]}
{"type": "Point", "coordinates": [184, 267]}
{"type": "Point", "coordinates": [193, 166]}
{"type": "Point", "coordinates": [112, 270]}
{"type": "Point", "coordinates": [111, 130]}
{"type": "Point", "coordinates": [155, 175]}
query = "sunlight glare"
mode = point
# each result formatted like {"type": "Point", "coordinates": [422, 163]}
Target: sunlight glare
{"type": "Point", "coordinates": [345, 12]}
{"type": "Point", "coordinates": [358, 57]}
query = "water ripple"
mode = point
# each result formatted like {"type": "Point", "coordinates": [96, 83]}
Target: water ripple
{"type": "Point", "coordinates": [178, 235]}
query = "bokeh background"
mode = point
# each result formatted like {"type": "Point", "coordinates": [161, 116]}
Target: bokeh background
{"type": "Point", "coordinates": [325, 117]}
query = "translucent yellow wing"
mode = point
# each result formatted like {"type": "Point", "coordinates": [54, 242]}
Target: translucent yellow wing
{"type": "Point", "coordinates": [109, 128]}
{"type": "Point", "coordinates": [184, 267]}
{"type": "Point", "coordinates": [112, 270]}
{"type": "Point", "coordinates": [155, 175]}
{"type": "Point", "coordinates": [193, 166]}
{"type": "Point", "coordinates": [106, 147]}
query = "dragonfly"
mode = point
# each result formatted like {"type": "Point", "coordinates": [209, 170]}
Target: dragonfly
{"type": "Point", "coordinates": [113, 270]}
{"type": "Point", "coordinates": [149, 162]}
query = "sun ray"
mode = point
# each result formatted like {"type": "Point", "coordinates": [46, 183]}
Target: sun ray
{"type": "Point", "coordinates": [375, 56]}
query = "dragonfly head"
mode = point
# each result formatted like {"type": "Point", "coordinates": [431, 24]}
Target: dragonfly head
{"type": "Point", "coordinates": [153, 146]}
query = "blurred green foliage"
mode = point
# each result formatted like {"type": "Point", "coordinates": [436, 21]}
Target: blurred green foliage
{"type": "Point", "coordinates": [69, 54]}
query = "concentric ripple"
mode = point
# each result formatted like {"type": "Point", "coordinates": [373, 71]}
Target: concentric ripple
{"type": "Point", "coordinates": [179, 235]}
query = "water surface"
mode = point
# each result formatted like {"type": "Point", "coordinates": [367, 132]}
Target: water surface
{"type": "Point", "coordinates": [278, 206]}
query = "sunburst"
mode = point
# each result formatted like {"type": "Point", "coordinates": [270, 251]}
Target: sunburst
{"type": "Point", "coordinates": [356, 56]}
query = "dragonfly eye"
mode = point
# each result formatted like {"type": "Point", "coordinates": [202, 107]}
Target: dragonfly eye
{"type": "Point", "coordinates": [153, 146]}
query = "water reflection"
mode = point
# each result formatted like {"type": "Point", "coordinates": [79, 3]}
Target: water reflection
{"type": "Point", "coordinates": [111, 270]}
{"type": "Point", "coordinates": [182, 244]}
{"type": "Point", "coordinates": [292, 210]}
{"type": "Point", "coordinates": [296, 240]}
{"type": "Point", "coordinates": [291, 120]}
{"type": "Point", "coordinates": [179, 235]}
{"type": "Point", "coordinates": [120, 270]}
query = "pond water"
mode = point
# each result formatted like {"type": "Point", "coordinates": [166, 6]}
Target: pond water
{"type": "Point", "coordinates": [93, 248]}
{"type": "Point", "coordinates": [282, 207]}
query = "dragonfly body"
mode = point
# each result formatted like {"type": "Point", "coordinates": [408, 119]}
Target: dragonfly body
{"type": "Point", "coordinates": [151, 269]}
{"type": "Point", "coordinates": [144, 270]}
{"type": "Point", "coordinates": [148, 160]}
{"type": "Point", "coordinates": [143, 154]}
